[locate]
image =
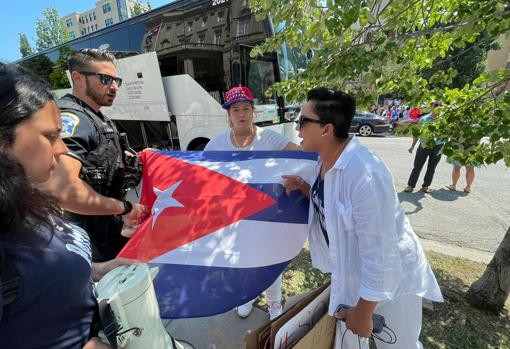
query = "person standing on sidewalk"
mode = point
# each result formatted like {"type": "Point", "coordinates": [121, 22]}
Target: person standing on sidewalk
{"type": "Point", "coordinates": [430, 155]}
{"type": "Point", "coordinates": [46, 274]}
{"type": "Point", "coordinates": [359, 231]}
{"type": "Point", "coordinates": [88, 180]}
{"type": "Point", "coordinates": [244, 135]}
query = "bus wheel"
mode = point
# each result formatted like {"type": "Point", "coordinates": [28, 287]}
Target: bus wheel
{"type": "Point", "coordinates": [198, 144]}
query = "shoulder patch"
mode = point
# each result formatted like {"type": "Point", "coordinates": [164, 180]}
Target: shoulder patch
{"type": "Point", "coordinates": [69, 123]}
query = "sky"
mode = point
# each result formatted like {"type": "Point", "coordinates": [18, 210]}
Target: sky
{"type": "Point", "coordinates": [20, 16]}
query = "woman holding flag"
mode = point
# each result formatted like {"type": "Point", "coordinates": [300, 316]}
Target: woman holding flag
{"type": "Point", "coordinates": [244, 135]}
{"type": "Point", "coordinates": [359, 232]}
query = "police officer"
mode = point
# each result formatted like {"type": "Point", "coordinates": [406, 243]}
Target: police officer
{"type": "Point", "coordinates": [88, 182]}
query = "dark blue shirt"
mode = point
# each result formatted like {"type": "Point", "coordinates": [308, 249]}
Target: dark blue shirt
{"type": "Point", "coordinates": [318, 204]}
{"type": "Point", "coordinates": [56, 300]}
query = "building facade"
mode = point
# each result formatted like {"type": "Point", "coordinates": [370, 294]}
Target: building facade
{"type": "Point", "coordinates": [106, 13]}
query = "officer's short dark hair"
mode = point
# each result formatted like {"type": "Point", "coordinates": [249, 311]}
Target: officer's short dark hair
{"type": "Point", "coordinates": [82, 59]}
{"type": "Point", "coordinates": [333, 107]}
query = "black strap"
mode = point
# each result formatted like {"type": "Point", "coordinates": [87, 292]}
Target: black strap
{"type": "Point", "coordinates": [108, 322]}
{"type": "Point", "coordinates": [11, 286]}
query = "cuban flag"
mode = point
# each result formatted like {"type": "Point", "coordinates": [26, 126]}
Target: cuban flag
{"type": "Point", "coordinates": [221, 228]}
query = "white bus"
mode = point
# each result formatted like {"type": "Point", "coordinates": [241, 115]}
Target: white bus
{"type": "Point", "coordinates": [177, 61]}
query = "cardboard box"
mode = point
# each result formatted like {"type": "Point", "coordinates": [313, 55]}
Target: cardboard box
{"type": "Point", "coordinates": [319, 333]}
{"type": "Point", "coordinates": [321, 336]}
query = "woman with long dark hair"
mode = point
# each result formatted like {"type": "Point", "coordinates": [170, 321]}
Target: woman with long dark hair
{"type": "Point", "coordinates": [46, 272]}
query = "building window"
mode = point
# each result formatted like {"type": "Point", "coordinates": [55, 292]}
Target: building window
{"type": "Point", "coordinates": [168, 28]}
{"type": "Point", "coordinates": [217, 37]}
{"type": "Point", "coordinates": [204, 21]}
{"type": "Point", "coordinates": [108, 22]}
{"type": "Point", "coordinates": [189, 27]}
{"type": "Point", "coordinates": [72, 35]}
{"type": "Point", "coordinates": [96, 26]}
{"type": "Point", "coordinates": [220, 17]}
{"type": "Point", "coordinates": [244, 27]}
{"type": "Point", "coordinates": [183, 40]}
{"type": "Point", "coordinates": [90, 17]}
{"type": "Point", "coordinates": [123, 13]}
{"type": "Point", "coordinates": [86, 19]}
{"type": "Point", "coordinates": [106, 8]}
{"type": "Point", "coordinates": [94, 15]}
{"type": "Point", "coordinates": [69, 22]}
{"type": "Point", "coordinates": [201, 39]}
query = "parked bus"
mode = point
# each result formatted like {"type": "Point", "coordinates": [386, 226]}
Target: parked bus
{"type": "Point", "coordinates": [199, 49]}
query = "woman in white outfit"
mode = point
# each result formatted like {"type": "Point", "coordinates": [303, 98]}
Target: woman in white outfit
{"type": "Point", "coordinates": [244, 135]}
{"type": "Point", "coordinates": [359, 232]}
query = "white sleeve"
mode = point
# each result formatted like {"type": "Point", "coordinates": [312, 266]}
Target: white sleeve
{"type": "Point", "coordinates": [217, 143]}
{"type": "Point", "coordinates": [275, 141]}
{"type": "Point", "coordinates": [211, 145]}
{"type": "Point", "coordinates": [373, 208]}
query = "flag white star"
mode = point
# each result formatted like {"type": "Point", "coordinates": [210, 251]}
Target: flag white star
{"type": "Point", "coordinates": [164, 201]}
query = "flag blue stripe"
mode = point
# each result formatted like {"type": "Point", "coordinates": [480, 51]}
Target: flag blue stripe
{"type": "Point", "coordinates": [229, 156]}
{"type": "Point", "coordinates": [187, 291]}
{"type": "Point", "coordinates": [291, 208]}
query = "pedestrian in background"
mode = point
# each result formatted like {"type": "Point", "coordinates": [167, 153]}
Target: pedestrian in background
{"type": "Point", "coordinates": [430, 155]}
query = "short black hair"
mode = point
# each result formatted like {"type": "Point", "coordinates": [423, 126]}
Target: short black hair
{"type": "Point", "coordinates": [333, 107]}
{"type": "Point", "coordinates": [82, 59]}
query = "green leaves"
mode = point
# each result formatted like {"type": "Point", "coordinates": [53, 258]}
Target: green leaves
{"type": "Point", "coordinates": [373, 47]}
{"type": "Point", "coordinates": [50, 30]}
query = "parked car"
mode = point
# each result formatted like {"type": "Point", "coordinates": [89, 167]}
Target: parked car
{"type": "Point", "coordinates": [366, 123]}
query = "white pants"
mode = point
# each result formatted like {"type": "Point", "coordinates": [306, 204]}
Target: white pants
{"type": "Point", "coordinates": [403, 316]}
{"type": "Point", "coordinates": [273, 292]}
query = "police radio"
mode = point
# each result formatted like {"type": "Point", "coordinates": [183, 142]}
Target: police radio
{"type": "Point", "coordinates": [131, 172]}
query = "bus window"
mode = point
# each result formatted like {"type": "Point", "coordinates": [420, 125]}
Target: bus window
{"type": "Point", "coordinates": [259, 74]}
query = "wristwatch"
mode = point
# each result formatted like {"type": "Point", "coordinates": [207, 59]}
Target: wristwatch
{"type": "Point", "coordinates": [128, 207]}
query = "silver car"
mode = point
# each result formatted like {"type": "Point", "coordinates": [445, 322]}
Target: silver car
{"type": "Point", "coordinates": [366, 123]}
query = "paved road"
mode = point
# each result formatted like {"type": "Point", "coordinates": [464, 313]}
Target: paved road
{"type": "Point", "coordinates": [478, 220]}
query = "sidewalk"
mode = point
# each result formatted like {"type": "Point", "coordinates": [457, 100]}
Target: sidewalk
{"type": "Point", "coordinates": [457, 251]}
{"type": "Point", "coordinates": [227, 331]}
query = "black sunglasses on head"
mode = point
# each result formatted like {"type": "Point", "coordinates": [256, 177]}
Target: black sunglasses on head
{"type": "Point", "coordinates": [105, 79]}
{"type": "Point", "coordinates": [303, 120]}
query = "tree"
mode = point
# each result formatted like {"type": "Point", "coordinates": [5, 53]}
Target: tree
{"type": "Point", "coordinates": [50, 30]}
{"type": "Point", "coordinates": [469, 62]}
{"type": "Point", "coordinates": [24, 46]}
{"type": "Point", "coordinates": [138, 8]}
{"type": "Point", "coordinates": [373, 47]}
{"type": "Point", "coordinates": [58, 78]}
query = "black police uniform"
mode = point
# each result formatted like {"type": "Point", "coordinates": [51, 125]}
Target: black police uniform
{"type": "Point", "coordinates": [93, 139]}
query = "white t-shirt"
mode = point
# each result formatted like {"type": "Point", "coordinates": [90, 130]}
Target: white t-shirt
{"type": "Point", "coordinates": [264, 140]}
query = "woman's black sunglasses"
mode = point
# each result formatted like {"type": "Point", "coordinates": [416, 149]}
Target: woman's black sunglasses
{"type": "Point", "coordinates": [105, 79]}
{"type": "Point", "coordinates": [303, 119]}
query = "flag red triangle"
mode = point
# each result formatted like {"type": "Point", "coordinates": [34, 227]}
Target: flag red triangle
{"type": "Point", "coordinates": [210, 202]}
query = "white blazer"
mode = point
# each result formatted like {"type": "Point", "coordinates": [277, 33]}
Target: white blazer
{"type": "Point", "coordinates": [373, 252]}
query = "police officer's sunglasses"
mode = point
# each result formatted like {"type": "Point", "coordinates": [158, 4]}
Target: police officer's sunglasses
{"type": "Point", "coordinates": [303, 120]}
{"type": "Point", "coordinates": [105, 79]}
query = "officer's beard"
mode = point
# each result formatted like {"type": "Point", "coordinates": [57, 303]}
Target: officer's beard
{"type": "Point", "coordinates": [96, 96]}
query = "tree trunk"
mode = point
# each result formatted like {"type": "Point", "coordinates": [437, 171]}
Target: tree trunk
{"type": "Point", "coordinates": [491, 290]}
